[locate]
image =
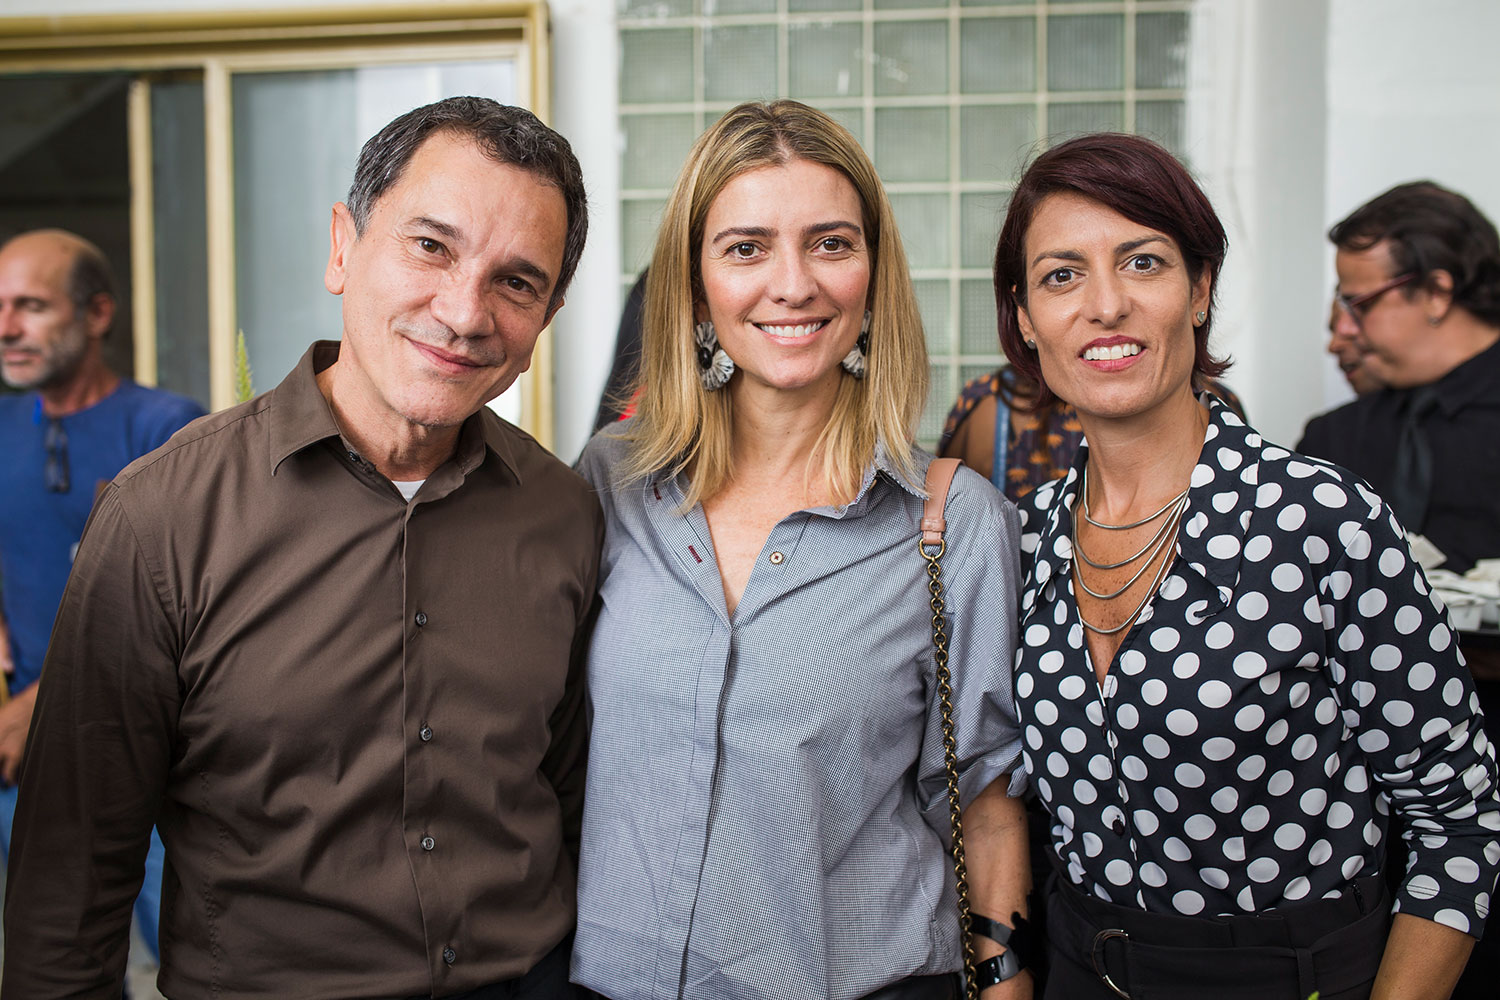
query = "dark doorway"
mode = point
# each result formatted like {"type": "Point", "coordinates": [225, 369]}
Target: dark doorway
{"type": "Point", "coordinates": [65, 163]}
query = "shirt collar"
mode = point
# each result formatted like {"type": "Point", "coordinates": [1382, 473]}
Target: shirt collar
{"type": "Point", "coordinates": [1221, 499]}
{"type": "Point", "coordinates": [300, 417]}
{"type": "Point", "coordinates": [1477, 378]}
{"type": "Point", "coordinates": [881, 466]}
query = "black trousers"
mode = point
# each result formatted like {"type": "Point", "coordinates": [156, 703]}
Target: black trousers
{"type": "Point", "coordinates": [547, 980]}
{"type": "Point", "coordinates": [910, 988]}
{"type": "Point", "coordinates": [1332, 946]}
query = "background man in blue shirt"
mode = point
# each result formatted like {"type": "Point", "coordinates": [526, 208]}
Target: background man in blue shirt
{"type": "Point", "coordinates": [77, 425]}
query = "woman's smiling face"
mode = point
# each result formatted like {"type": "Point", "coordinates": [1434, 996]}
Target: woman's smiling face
{"type": "Point", "coordinates": [1110, 305]}
{"type": "Point", "coordinates": [786, 275]}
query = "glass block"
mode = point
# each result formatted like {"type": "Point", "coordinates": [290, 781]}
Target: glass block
{"type": "Point", "coordinates": [739, 63]}
{"type": "Point", "coordinates": [977, 333]}
{"type": "Point", "coordinates": [968, 373]}
{"type": "Point", "coordinates": [796, 6]}
{"type": "Point", "coordinates": [979, 218]}
{"type": "Point", "coordinates": [1086, 52]}
{"type": "Point", "coordinates": [997, 55]}
{"type": "Point", "coordinates": [826, 60]}
{"type": "Point", "coordinates": [639, 221]}
{"type": "Point", "coordinates": [911, 144]}
{"type": "Point", "coordinates": [940, 395]}
{"type": "Point", "coordinates": [908, 4]}
{"type": "Point", "coordinates": [1070, 119]}
{"type": "Point", "coordinates": [651, 9]}
{"type": "Point", "coordinates": [1162, 121]}
{"type": "Point", "coordinates": [996, 141]}
{"type": "Point", "coordinates": [1161, 42]}
{"type": "Point", "coordinates": [852, 119]}
{"type": "Point", "coordinates": [911, 57]}
{"type": "Point", "coordinates": [656, 65]}
{"type": "Point", "coordinates": [712, 7]}
{"type": "Point", "coordinates": [923, 220]}
{"type": "Point", "coordinates": [655, 148]}
{"type": "Point", "coordinates": [937, 323]}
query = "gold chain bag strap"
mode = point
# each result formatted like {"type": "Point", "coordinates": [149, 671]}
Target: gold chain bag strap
{"type": "Point", "coordinates": [939, 477]}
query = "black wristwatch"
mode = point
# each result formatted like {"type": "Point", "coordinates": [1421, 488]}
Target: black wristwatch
{"type": "Point", "coordinates": [1018, 941]}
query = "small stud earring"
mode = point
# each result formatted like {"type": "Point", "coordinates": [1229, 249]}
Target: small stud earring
{"type": "Point", "coordinates": [1031, 344]}
{"type": "Point", "coordinates": [1433, 321]}
{"type": "Point", "coordinates": [1199, 317]}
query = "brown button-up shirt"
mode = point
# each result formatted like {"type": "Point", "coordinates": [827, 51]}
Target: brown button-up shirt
{"type": "Point", "coordinates": [357, 721]}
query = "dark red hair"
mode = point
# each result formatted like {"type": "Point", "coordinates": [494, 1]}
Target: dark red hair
{"type": "Point", "coordinates": [1132, 176]}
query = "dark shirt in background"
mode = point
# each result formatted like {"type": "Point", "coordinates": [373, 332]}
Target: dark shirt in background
{"type": "Point", "coordinates": [1463, 431]}
{"type": "Point", "coordinates": [359, 722]}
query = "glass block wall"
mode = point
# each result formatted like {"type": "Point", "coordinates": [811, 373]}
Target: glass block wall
{"type": "Point", "coordinates": [950, 97]}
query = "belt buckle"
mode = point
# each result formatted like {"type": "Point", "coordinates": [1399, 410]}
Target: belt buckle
{"type": "Point", "coordinates": [1098, 950]}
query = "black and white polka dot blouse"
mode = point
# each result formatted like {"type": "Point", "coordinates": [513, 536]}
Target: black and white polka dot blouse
{"type": "Point", "coordinates": [1291, 677]}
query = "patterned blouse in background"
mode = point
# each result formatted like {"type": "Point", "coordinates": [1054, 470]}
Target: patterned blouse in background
{"type": "Point", "coordinates": [1038, 447]}
{"type": "Point", "coordinates": [1292, 679]}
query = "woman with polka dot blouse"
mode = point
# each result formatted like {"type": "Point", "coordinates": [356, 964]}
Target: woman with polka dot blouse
{"type": "Point", "coordinates": [1232, 670]}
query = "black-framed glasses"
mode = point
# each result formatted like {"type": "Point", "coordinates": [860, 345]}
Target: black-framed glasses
{"type": "Point", "coordinates": [1359, 306]}
{"type": "Point", "coordinates": [57, 475]}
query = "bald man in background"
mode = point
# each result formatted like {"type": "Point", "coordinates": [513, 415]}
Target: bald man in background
{"type": "Point", "coordinates": [74, 425]}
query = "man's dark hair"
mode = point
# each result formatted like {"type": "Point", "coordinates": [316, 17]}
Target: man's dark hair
{"type": "Point", "coordinates": [1430, 228]}
{"type": "Point", "coordinates": [512, 136]}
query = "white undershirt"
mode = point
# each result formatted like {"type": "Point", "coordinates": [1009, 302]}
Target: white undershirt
{"type": "Point", "coordinates": [408, 488]}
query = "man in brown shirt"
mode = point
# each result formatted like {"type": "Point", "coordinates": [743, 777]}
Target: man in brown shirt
{"type": "Point", "coordinates": [327, 639]}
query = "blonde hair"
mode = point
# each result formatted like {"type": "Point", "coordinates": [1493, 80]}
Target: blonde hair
{"type": "Point", "coordinates": [678, 424]}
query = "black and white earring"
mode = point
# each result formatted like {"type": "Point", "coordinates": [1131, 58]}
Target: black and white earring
{"type": "Point", "coordinates": [854, 361]}
{"type": "Point", "coordinates": [714, 366]}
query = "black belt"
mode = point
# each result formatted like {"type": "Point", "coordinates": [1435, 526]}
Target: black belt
{"type": "Point", "coordinates": [1328, 945]}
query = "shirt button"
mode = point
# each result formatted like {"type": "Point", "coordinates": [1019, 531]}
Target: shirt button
{"type": "Point", "coordinates": [421, 618]}
{"type": "Point", "coordinates": [450, 956]}
{"type": "Point", "coordinates": [777, 558]}
{"type": "Point", "coordinates": [428, 843]}
{"type": "Point", "coordinates": [1118, 826]}
{"type": "Point", "coordinates": [426, 733]}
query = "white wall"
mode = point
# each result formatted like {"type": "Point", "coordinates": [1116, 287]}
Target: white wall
{"type": "Point", "coordinates": [1256, 126]}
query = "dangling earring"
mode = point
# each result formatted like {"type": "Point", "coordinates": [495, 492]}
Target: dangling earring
{"type": "Point", "coordinates": [854, 361]}
{"type": "Point", "coordinates": [1199, 317]}
{"type": "Point", "coordinates": [714, 365]}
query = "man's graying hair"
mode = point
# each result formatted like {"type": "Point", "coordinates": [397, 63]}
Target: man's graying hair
{"type": "Point", "coordinates": [508, 135]}
{"type": "Point", "coordinates": [89, 276]}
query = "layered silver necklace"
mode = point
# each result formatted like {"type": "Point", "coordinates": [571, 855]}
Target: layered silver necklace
{"type": "Point", "coordinates": [1171, 514]}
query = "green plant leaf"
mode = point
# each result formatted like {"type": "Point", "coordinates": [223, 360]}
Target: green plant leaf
{"type": "Point", "coordinates": [244, 386]}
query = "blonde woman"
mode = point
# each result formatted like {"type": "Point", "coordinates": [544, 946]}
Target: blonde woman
{"type": "Point", "coordinates": [766, 812]}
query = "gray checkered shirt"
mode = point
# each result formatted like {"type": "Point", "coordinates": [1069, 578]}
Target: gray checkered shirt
{"type": "Point", "coordinates": [766, 812]}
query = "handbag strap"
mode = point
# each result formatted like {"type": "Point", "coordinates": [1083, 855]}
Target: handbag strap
{"type": "Point", "coordinates": [932, 546]}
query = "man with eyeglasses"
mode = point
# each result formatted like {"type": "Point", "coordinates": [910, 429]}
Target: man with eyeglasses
{"type": "Point", "coordinates": [1418, 298]}
{"type": "Point", "coordinates": [74, 426]}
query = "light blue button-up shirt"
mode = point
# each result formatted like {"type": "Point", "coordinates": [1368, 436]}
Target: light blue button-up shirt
{"type": "Point", "coordinates": [766, 812]}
